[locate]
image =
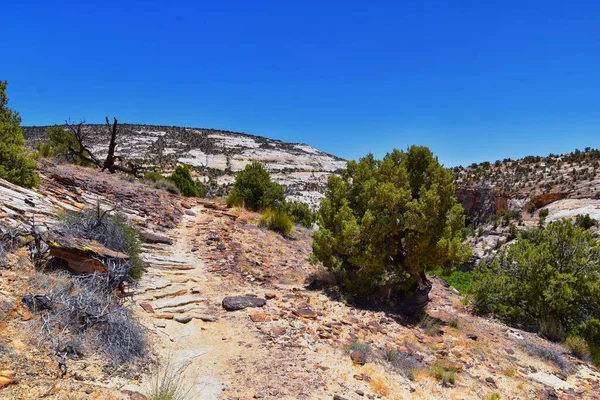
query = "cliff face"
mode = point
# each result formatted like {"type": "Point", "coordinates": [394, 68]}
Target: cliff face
{"type": "Point", "coordinates": [481, 202]}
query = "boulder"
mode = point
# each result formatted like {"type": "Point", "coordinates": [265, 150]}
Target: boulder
{"type": "Point", "coordinates": [155, 239]}
{"type": "Point", "coordinates": [240, 302]}
{"type": "Point", "coordinates": [358, 357]}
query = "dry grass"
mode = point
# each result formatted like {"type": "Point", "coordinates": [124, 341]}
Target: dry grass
{"type": "Point", "coordinates": [167, 382]}
{"type": "Point", "coordinates": [509, 371]}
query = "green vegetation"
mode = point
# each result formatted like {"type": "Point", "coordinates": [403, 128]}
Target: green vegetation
{"type": "Point", "coordinates": [358, 345]}
{"type": "Point", "coordinates": [430, 325]}
{"type": "Point", "coordinates": [463, 281]}
{"type": "Point", "coordinates": [585, 221]}
{"type": "Point", "coordinates": [578, 346]}
{"type": "Point", "coordinates": [158, 181]}
{"type": "Point", "coordinates": [548, 281]}
{"type": "Point", "coordinates": [492, 396]}
{"type": "Point", "coordinates": [63, 144]}
{"type": "Point", "coordinates": [278, 221]}
{"type": "Point", "coordinates": [383, 223]}
{"type": "Point", "coordinates": [300, 213]}
{"type": "Point", "coordinates": [112, 230]}
{"type": "Point", "coordinates": [446, 376]}
{"type": "Point", "coordinates": [167, 383]}
{"type": "Point", "coordinates": [17, 164]}
{"type": "Point", "coordinates": [188, 186]}
{"type": "Point", "coordinates": [531, 209]}
{"type": "Point", "coordinates": [254, 190]}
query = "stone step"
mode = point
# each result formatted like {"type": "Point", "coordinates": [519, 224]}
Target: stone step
{"type": "Point", "coordinates": [153, 284]}
{"type": "Point", "coordinates": [178, 301]}
{"type": "Point", "coordinates": [185, 308]}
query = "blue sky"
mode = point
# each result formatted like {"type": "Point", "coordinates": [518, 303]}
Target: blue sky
{"type": "Point", "coordinates": [474, 80]}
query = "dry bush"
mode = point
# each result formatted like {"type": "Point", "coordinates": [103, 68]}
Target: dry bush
{"type": "Point", "coordinates": [550, 354]}
{"type": "Point", "coordinates": [85, 310]}
{"type": "Point", "coordinates": [112, 230]}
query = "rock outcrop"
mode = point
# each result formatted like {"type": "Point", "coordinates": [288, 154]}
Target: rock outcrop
{"type": "Point", "coordinates": [481, 202]}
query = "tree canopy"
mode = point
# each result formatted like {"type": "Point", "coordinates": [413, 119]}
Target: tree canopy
{"type": "Point", "coordinates": [383, 223]}
{"type": "Point", "coordinates": [254, 189]}
{"type": "Point", "coordinates": [16, 162]}
{"type": "Point", "coordinates": [548, 281]}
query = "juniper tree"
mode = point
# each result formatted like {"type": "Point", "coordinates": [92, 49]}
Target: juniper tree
{"type": "Point", "coordinates": [384, 223]}
{"type": "Point", "coordinates": [16, 162]}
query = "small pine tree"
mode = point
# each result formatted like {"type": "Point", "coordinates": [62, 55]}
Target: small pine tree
{"type": "Point", "coordinates": [186, 184]}
{"type": "Point", "coordinates": [17, 164]}
{"type": "Point", "coordinates": [254, 189]}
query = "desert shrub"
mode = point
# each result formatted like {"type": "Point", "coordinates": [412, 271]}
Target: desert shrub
{"type": "Point", "coordinates": [158, 181]}
{"type": "Point", "coordinates": [383, 223]}
{"type": "Point", "coordinates": [254, 190]}
{"type": "Point", "coordinates": [112, 230]}
{"type": "Point", "coordinates": [543, 214]}
{"type": "Point", "coordinates": [3, 253]}
{"type": "Point", "coordinates": [17, 164]}
{"type": "Point", "coordinates": [405, 363]}
{"type": "Point", "coordinates": [408, 365]}
{"type": "Point", "coordinates": [278, 221]}
{"type": "Point", "coordinates": [300, 213]}
{"type": "Point", "coordinates": [64, 145]}
{"type": "Point", "coordinates": [585, 221]}
{"type": "Point", "coordinates": [548, 353]}
{"type": "Point", "coordinates": [445, 376]}
{"type": "Point", "coordinates": [186, 184]}
{"type": "Point", "coordinates": [462, 281]}
{"type": "Point", "coordinates": [85, 308]}
{"type": "Point", "coordinates": [547, 281]}
{"type": "Point", "coordinates": [358, 345]}
{"type": "Point", "coordinates": [430, 325]}
{"type": "Point", "coordinates": [578, 346]}
{"type": "Point", "coordinates": [167, 383]}
{"type": "Point", "coordinates": [43, 150]}
{"type": "Point", "coordinates": [153, 176]}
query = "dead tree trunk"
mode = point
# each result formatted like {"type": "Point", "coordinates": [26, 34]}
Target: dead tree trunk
{"type": "Point", "coordinates": [84, 153]}
{"type": "Point", "coordinates": [109, 163]}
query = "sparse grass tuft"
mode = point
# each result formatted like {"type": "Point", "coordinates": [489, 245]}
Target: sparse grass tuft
{"type": "Point", "coordinates": [430, 325]}
{"type": "Point", "coordinates": [447, 377]}
{"type": "Point", "coordinates": [492, 396]}
{"type": "Point", "coordinates": [579, 347]}
{"type": "Point", "coordinates": [510, 371]}
{"type": "Point", "coordinates": [357, 345]}
{"type": "Point", "coordinates": [278, 221]}
{"type": "Point", "coordinates": [167, 383]}
{"type": "Point", "coordinates": [550, 354]}
{"type": "Point", "coordinates": [454, 322]}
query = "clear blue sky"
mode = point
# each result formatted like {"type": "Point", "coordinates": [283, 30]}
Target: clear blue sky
{"type": "Point", "coordinates": [474, 80]}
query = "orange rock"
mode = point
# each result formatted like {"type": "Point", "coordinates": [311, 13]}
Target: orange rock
{"type": "Point", "coordinates": [257, 316]}
{"type": "Point", "coordinates": [8, 373]}
{"type": "Point", "coordinates": [163, 316]}
{"type": "Point", "coordinates": [26, 316]}
{"type": "Point", "coordinates": [5, 381]}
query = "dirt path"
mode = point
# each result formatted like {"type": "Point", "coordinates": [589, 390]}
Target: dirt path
{"type": "Point", "coordinates": [184, 321]}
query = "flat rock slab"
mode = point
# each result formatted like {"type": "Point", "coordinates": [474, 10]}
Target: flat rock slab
{"type": "Point", "coordinates": [177, 301]}
{"type": "Point", "coordinates": [550, 380]}
{"type": "Point", "coordinates": [155, 239]}
{"type": "Point", "coordinates": [238, 303]}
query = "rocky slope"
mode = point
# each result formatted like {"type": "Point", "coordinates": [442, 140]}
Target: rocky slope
{"type": "Point", "coordinates": [298, 343]}
{"type": "Point", "coordinates": [488, 187]}
{"type": "Point", "coordinates": [215, 154]}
